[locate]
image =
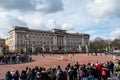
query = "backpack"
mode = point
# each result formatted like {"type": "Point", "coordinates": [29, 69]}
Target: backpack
{"type": "Point", "coordinates": [104, 73]}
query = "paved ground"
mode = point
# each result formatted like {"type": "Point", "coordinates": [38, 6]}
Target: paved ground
{"type": "Point", "coordinates": [51, 60]}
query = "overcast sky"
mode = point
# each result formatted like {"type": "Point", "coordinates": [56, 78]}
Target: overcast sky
{"type": "Point", "coordinates": [99, 18]}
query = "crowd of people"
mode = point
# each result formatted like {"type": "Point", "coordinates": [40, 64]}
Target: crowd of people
{"type": "Point", "coordinates": [90, 71]}
{"type": "Point", "coordinates": [14, 58]}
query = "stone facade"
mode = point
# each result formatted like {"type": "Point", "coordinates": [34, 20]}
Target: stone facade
{"type": "Point", "coordinates": [23, 39]}
{"type": "Point", "coordinates": [2, 45]}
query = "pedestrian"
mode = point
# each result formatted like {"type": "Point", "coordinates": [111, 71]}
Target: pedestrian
{"type": "Point", "coordinates": [32, 75]}
{"type": "Point", "coordinates": [104, 74]}
{"type": "Point", "coordinates": [23, 75]}
{"type": "Point", "coordinates": [8, 76]}
{"type": "Point", "coordinates": [16, 75]}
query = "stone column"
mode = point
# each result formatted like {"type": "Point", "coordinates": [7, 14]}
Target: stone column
{"type": "Point", "coordinates": [80, 49]}
{"type": "Point", "coordinates": [1, 50]}
{"type": "Point", "coordinates": [33, 49]}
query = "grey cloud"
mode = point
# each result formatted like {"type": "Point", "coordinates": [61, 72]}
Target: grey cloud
{"type": "Point", "coordinates": [21, 5]}
{"type": "Point", "coordinates": [15, 21]}
{"type": "Point", "coordinates": [45, 6]}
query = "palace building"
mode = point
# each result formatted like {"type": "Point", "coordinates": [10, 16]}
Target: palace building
{"type": "Point", "coordinates": [2, 45]}
{"type": "Point", "coordinates": [24, 39]}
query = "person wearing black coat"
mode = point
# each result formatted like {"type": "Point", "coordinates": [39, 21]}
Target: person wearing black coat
{"type": "Point", "coordinates": [16, 75]}
{"type": "Point", "coordinates": [8, 76]}
{"type": "Point", "coordinates": [23, 75]}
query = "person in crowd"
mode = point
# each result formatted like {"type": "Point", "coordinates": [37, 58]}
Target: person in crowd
{"type": "Point", "coordinates": [60, 75]}
{"type": "Point", "coordinates": [77, 64]}
{"type": "Point", "coordinates": [108, 69]}
{"type": "Point", "coordinates": [32, 74]}
{"type": "Point", "coordinates": [58, 68]}
{"type": "Point", "coordinates": [37, 77]}
{"type": "Point", "coordinates": [90, 71]}
{"type": "Point", "coordinates": [112, 67]}
{"type": "Point", "coordinates": [117, 66]}
{"type": "Point", "coordinates": [16, 75]}
{"type": "Point", "coordinates": [104, 72]}
{"type": "Point", "coordinates": [8, 76]}
{"type": "Point", "coordinates": [99, 69]}
{"type": "Point", "coordinates": [67, 67]}
{"type": "Point", "coordinates": [23, 75]}
{"type": "Point", "coordinates": [117, 69]}
{"type": "Point", "coordinates": [75, 71]}
{"type": "Point", "coordinates": [53, 75]}
{"type": "Point", "coordinates": [44, 75]}
{"type": "Point", "coordinates": [28, 70]}
{"type": "Point", "coordinates": [84, 72]}
{"type": "Point", "coordinates": [95, 72]}
{"type": "Point", "coordinates": [71, 73]}
{"type": "Point", "coordinates": [79, 73]}
{"type": "Point", "coordinates": [13, 58]}
{"type": "Point", "coordinates": [12, 71]}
